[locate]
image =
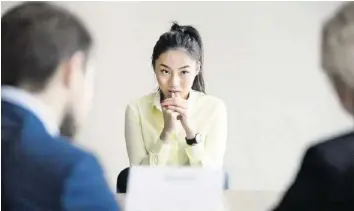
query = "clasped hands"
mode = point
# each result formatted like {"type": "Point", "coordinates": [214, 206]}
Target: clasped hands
{"type": "Point", "coordinates": [175, 110]}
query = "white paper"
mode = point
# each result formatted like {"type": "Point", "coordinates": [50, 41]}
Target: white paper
{"type": "Point", "coordinates": [174, 189]}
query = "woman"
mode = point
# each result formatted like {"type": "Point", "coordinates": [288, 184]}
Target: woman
{"type": "Point", "coordinates": [179, 124]}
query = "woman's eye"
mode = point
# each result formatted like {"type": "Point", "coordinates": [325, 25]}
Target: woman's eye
{"type": "Point", "coordinates": [184, 72]}
{"type": "Point", "coordinates": [164, 71]}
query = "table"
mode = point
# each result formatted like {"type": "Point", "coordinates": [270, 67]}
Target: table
{"type": "Point", "coordinates": [239, 200]}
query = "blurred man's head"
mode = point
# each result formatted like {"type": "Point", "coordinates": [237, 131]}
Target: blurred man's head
{"type": "Point", "coordinates": [45, 50]}
{"type": "Point", "coordinates": [338, 53]}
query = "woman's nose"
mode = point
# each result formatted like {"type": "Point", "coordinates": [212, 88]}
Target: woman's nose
{"type": "Point", "coordinates": [175, 81]}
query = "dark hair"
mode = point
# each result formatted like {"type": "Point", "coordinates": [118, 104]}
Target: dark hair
{"type": "Point", "coordinates": [187, 38]}
{"type": "Point", "coordinates": [36, 37]}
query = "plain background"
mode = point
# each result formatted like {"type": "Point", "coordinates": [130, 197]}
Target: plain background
{"type": "Point", "coordinates": [261, 58]}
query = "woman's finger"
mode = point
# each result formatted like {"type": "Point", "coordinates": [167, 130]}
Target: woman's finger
{"type": "Point", "coordinates": [177, 95]}
{"type": "Point", "coordinates": [167, 105]}
{"type": "Point", "coordinates": [175, 102]}
{"type": "Point", "coordinates": [179, 110]}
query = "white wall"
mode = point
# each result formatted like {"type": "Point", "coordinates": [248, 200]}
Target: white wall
{"type": "Point", "coordinates": [262, 59]}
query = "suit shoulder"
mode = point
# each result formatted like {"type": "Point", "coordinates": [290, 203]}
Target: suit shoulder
{"type": "Point", "coordinates": [61, 153]}
{"type": "Point", "coordinates": [337, 143]}
{"type": "Point", "coordinates": [337, 151]}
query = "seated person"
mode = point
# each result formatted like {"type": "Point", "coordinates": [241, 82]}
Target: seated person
{"type": "Point", "coordinates": [325, 181]}
{"type": "Point", "coordinates": [178, 125]}
{"type": "Point", "coordinates": [45, 90]}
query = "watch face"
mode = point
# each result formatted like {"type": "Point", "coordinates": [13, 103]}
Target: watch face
{"type": "Point", "coordinates": [198, 138]}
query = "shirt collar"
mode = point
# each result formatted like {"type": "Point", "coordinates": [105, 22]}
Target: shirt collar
{"type": "Point", "coordinates": [157, 99]}
{"type": "Point", "coordinates": [27, 101]}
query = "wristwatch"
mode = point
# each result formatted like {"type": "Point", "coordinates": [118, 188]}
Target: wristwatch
{"type": "Point", "coordinates": [196, 140]}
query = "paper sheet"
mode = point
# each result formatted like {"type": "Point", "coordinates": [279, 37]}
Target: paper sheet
{"type": "Point", "coordinates": [174, 189]}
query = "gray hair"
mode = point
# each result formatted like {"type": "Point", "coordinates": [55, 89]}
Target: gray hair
{"type": "Point", "coordinates": [338, 44]}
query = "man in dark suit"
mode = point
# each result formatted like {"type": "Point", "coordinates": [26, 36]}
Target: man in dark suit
{"type": "Point", "coordinates": [326, 177]}
{"type": "Point", "coordinates": [46, 84]}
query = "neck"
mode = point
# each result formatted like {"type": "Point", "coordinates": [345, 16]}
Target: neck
{"type": "Point", "coordinates": [53, 101]}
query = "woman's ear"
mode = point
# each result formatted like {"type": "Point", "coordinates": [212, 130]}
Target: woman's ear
{"type": "Point", "coordinates": [198, 67]}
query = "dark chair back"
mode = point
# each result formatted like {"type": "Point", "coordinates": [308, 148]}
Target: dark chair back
{"type": "Point", "coordinates": [122, 181]}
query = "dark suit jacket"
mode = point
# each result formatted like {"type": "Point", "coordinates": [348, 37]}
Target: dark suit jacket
{"type": "Point", "coordinates": [325, 180]}
{"type": "Point", "coordinates": [41, 172]}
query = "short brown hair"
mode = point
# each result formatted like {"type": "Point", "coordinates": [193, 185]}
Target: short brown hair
{"type": "Point", "coordinates": [35, 38]}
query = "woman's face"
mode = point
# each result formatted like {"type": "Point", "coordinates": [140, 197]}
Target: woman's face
{"type": "Point", "coordinates": [175, 72]}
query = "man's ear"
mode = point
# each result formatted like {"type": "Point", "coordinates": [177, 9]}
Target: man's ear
{"type": "Point", "coordinates": [72, 67]}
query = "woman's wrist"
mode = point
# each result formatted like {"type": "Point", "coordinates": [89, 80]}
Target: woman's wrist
{"type": "Point", "coordinates": [190, 131]}
{"type": "Point", "coordinates": [190, 134]}
{"type": "Point", "coordinates": [165, 134]}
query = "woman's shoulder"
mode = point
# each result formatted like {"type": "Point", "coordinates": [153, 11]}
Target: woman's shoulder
{"type": "Point", "coordinates": [143, 101]}
{"type": "Point", "coordinates": [209, 100]}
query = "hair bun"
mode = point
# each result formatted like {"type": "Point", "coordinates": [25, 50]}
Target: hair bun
{"type": "Point", "coordinates": [176, 27]}
{"type": "Point", "coordinates": [186, 30]}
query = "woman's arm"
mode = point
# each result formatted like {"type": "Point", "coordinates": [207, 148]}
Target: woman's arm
{"type": "Point", "coordinates": [138, 153]}
{"type": "Point", "coordinates": [210, 152]}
